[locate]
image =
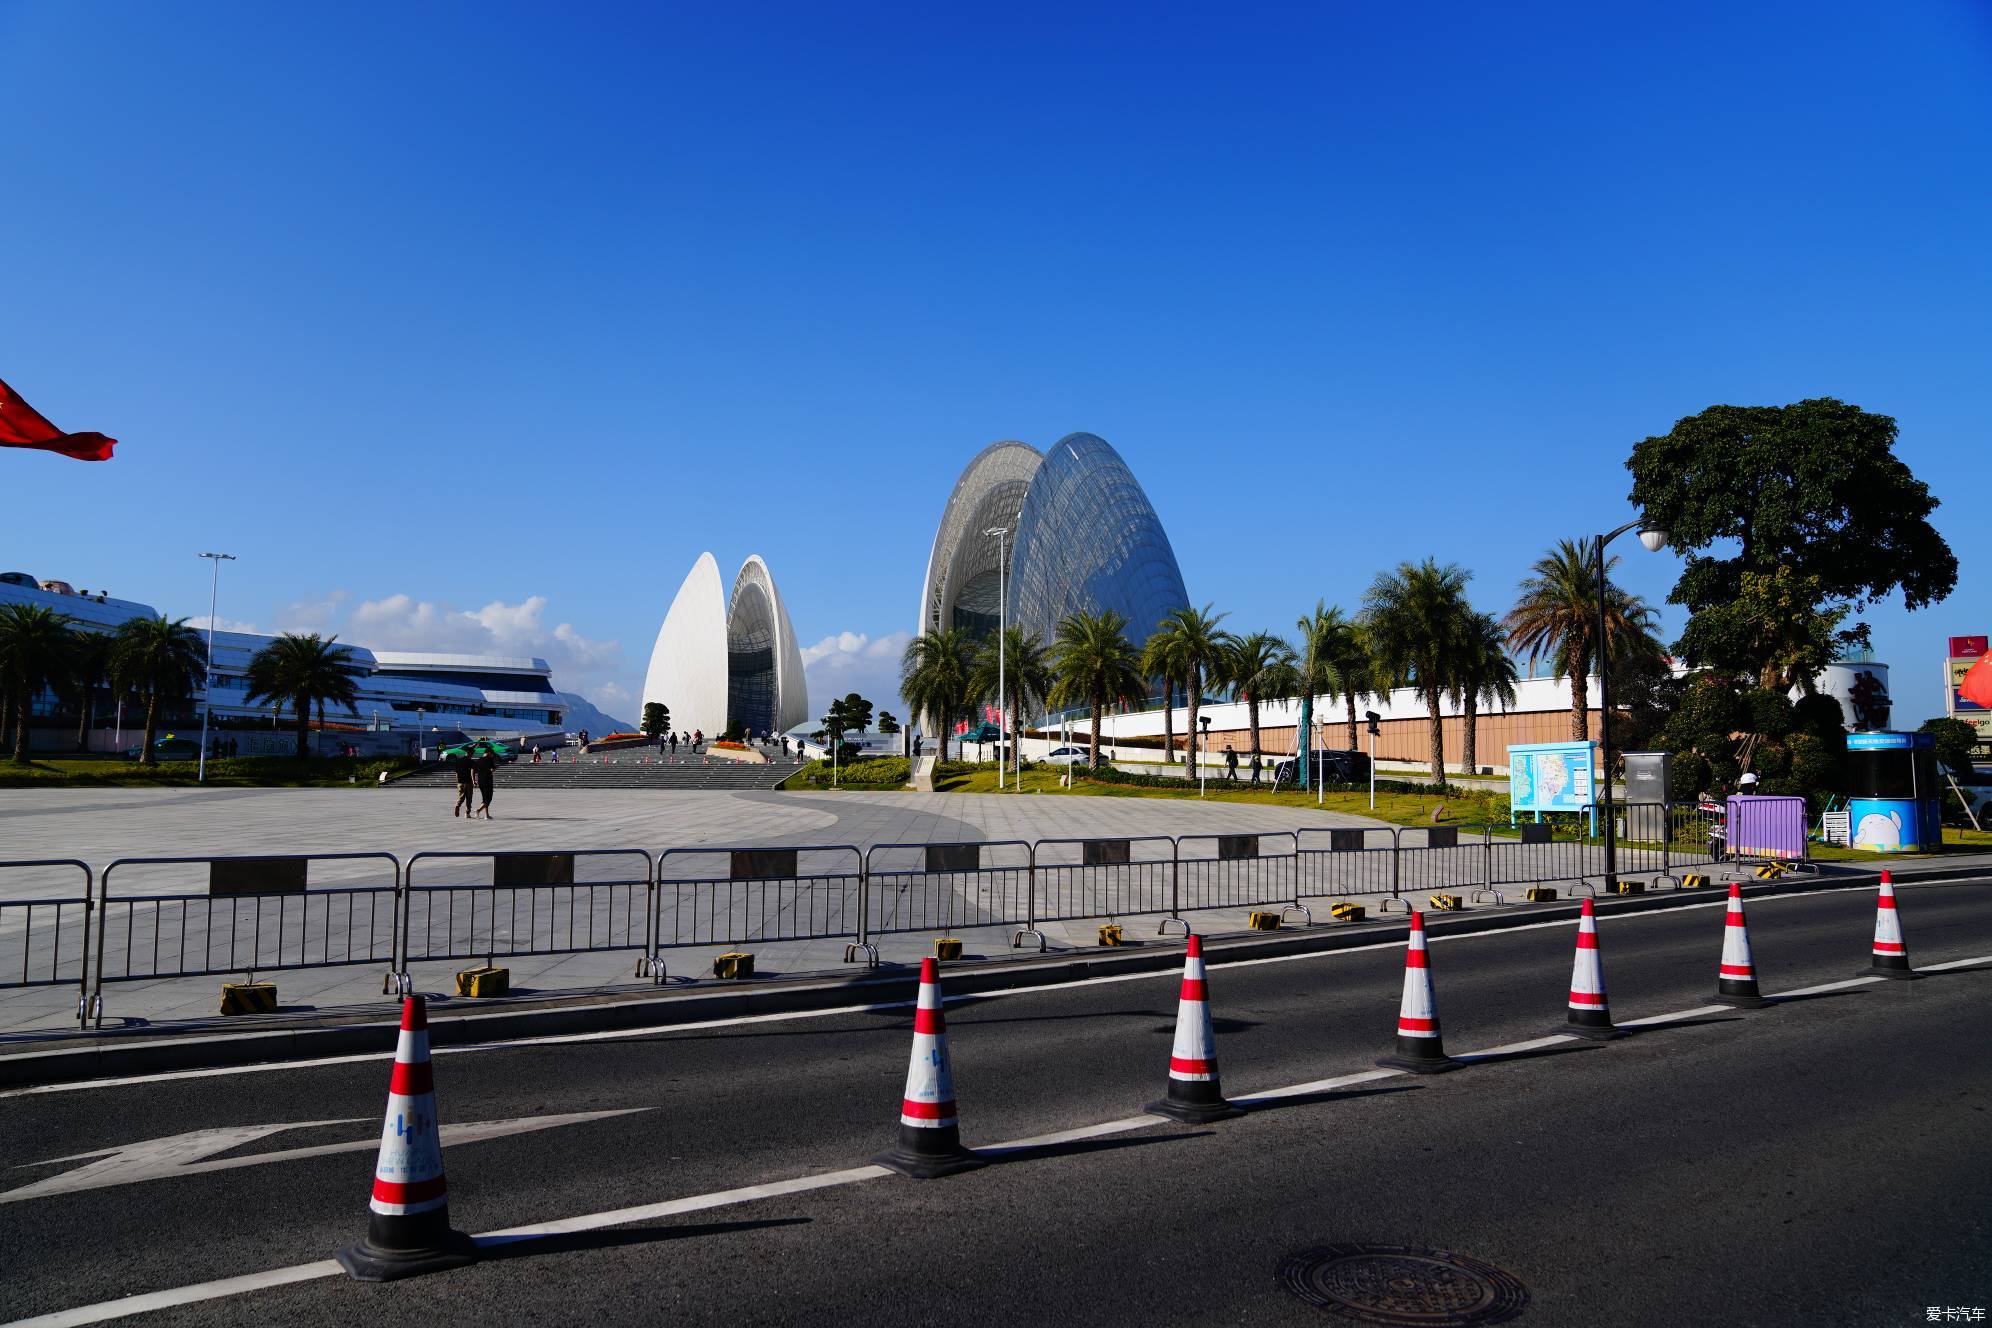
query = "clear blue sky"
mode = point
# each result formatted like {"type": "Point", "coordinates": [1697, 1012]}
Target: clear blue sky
{"type": "Point", "coordinates": [479, 322]}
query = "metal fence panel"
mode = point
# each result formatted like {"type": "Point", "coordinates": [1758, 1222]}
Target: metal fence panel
{"type": "Point", "coordinates": [727, 896]}
{"type": "Point", "coordinates": [1102, 878]}
{"type": "Point", "coordinates": [1237, 871]}
{"type": "Point", "coordinates": [469, 905]}
{"type": "Point", "coordinates": [1443, 858]}
{"type": "Point", "coordinates": [1352, 860]}
{"type": "Point", "coordinates": [921, 887]}
{"type": "Point", "coordinates": [45, 940]}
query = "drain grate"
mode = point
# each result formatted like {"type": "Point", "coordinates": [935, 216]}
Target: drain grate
{"type": "Point", "coordinates": [1395, 1284]}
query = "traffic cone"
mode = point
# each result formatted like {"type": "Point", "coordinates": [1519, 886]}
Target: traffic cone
{"type": "Point", "coordinates": [1736, 984]}
{"type": "Point", "coordinates": [1194, 1094]}
{"type": "Point", "coordinates": [1891, 956]}
{"type": "Point", "coordinates": [929, 1137]}
{"type": "Point", "coordinates": [1590, 1009]}
{"type": "Point", "coordinates": [408, 1230]}
{"type": "Point", "coordinates": [1418, 1046]}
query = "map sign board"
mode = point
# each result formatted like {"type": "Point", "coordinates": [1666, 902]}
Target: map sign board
{"type": "Point", "coordinates": [1551, 777]}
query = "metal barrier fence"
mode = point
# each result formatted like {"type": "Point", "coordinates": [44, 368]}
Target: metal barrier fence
{"type": "Point", "coordinates": [45, 942]}
{"type": "Point", "coordinates": [1344, 861]}
{"type": "Point", "coordinates": [711, 896]}
{"type": "Point", "coordinates": [1101, 878]}
{"type": "Point", "coordinates": [254, 914]}
{"type": "Point", "coordinates": [919, 887]}
{"type": "Point", "coordinates": [572, 901]}
{"type": "Point", "coordinates": [1443, 859]}
{"type": "Point", "coordinates": [1239, 871]}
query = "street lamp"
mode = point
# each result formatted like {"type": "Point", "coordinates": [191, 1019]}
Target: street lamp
{"type": "Point", "coordinates": [1655, 540]}
{"type": "Point", "coordinates": [207, 696]}
{"type": "Point", "coordinates": [1002, 628]}
{"type": "Point", "coordinates": [1205, 721]}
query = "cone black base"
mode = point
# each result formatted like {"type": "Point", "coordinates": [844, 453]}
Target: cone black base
{"type": "Point", "coordinates": [1739, 1001]}
{"type": "Point", "coordinates": [444, 1249]}
{"type": "Point", "coordinates": [1195, 1113]}
{"type": "Point", "coordinates": [1418, 1064]}
{"type": "Point", "coordinates": [919, 1155]}
{"type": "Point", "coordinates": [1899, 974]}
{"type": "Point", "coordinates": [1595, 1032]}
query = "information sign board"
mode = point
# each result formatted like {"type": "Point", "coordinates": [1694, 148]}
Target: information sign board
{"type": "Point", "coordinates": [1551, 776]}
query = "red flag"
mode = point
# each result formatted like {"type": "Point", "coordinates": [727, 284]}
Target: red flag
{"type": "Point", "coordinates": [1976, 685]}
{"type": "Point", "coordinates": [21, 425]}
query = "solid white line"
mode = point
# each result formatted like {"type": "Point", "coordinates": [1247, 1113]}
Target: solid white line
{"type": "Point", "coordinates": [1823, 986]}
{"type": "Point", "coordinates": [1952, 963]}
{"type": "Point", "coordinates": [653, 1030]}
{"type": "Point", "coordinates": [1678, 1015]}
{"type": "Point", "coordinates": [305, 1272]}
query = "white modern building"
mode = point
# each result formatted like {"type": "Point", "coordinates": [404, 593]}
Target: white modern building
{"type": "Point", "coordinates": [723, 657]}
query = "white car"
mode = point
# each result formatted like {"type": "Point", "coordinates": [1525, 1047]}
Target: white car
{"type": "Point", "coordinates": [1073, 756]}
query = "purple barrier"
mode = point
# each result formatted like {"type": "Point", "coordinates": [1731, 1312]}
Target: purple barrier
{"type": "Point", "coordinates": [1767, 827]}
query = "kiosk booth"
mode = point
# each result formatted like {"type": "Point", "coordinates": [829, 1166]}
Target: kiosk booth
{"type": "Point", "coordinates": [1893, 792]}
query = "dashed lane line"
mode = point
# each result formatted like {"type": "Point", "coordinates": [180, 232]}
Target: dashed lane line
{"type": "Point", "coordinates": [105, 1311]}
{"type": "Point", "coordinates": [655, 1030]}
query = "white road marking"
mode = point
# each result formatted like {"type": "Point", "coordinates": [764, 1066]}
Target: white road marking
{"type": "Point", "coordinates": [305, 1272]}
{"type": "Point", "coordinates": [654, 1030]}
{"type": "Point", "coordinates": [182, 1154]}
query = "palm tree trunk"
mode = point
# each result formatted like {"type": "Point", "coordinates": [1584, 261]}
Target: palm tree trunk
{"type": "Point", "coordinates": [1252, 713]}
{"type": "Point", "coordinates": [146, 756]}
{"type": "Point", "coordinates": [1438, 739]}
{"type": "Point", "coordinates": [1472, 740]}
{"type": "Point", "coordinates": [21, 701]}
{"type": "Point", "coordinates": [1351, 698]}
{"type": "Point", "coordinates": [86, 706]}
{"type": "Point", "coordinates": [947, 727]}
{"type": "Point", "coordinates": [1169, 720]}
{"type": "Point", "coordinates": [1580, 681]}
{"type": "Point", "coordinates": [303, 706]}
{"type": "Point", "coordinates": [1098, 703]}
{"type": "Point", "coordinates": [1196, 697]}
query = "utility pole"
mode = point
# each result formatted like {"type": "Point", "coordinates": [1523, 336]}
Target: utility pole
{"type": "Point", "coordinates": [207, 694]}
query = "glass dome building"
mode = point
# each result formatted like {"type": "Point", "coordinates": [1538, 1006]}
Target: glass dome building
{"type": "Point", "coordinates": [1082, 536]}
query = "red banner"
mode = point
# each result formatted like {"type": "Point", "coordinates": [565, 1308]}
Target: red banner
{"type": "Point", "coordinates": [1967, 647]}
{"type": "Point", "coordinates": [21, 425]}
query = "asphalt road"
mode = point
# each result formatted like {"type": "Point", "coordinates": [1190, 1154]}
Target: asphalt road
{"type": "Point", "coordinates": [1824, 1161]}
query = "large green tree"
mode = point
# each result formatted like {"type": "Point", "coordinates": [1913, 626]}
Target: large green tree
{"type": "Point", "coordinates": [1094, 664]}
{"type": "Point", "coordinates": [656, 719]}
{"type": "Point", "coordinates": [934, 677]}
{"type": "Point", "coordinates": [1162, 657]}
{"type": "Point", "coordinates": [89, 669]}
{"type": "Point", "coordinates": [1200, 645]}
{"type": "Point", "coordinates": [160, 658]}
{"type": "Point", "coordinates": [1480, 671]}
{"type": "Point", "coordinates": [36, 645]}
{"type": "Point", "coordinates": [1792, 519]}
{"type": "Point", "coordinates": [303, 670]}
{"type": "Point", "coordinates": [1023, 672]}
{"type": "Point", "coordinates": [1556, 618]}
{"type": "Point", "coordinates": [1259, 667]}
{"type": "Point", "coordinates": [1416, 618]}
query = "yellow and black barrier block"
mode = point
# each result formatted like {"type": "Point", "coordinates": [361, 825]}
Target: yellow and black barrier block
{"type": "Point", "coordinates": [1632, 887]}
{"type": "Point", "coordinates": [1264, 921]}
{"type": "Point", "coordinates": [1447, 903]}
{"type": "Point", "coordinates": [1694, 881]}
{"type": "Point", "coordinates": [248, 998]}
{"type": "Point", "coordinates": [1770, 871]}
{"type": "Point", "coordinates": [733, 964]}
{"type": "Point", "coordinates": [1540, 894]}
{"type": "Point", "coordinates": [1110, 934]}
{"type": "Point", "coordinates": [947, 947]}
{"type": "Point", "coordinates": [1347, 912]}
{"type": "Point", "coordinates": [484, 980]}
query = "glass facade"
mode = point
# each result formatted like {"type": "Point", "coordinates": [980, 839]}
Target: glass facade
{"type": "Point", "coordinates": [1087, 540]}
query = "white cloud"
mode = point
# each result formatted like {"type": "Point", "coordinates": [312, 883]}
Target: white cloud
{"type": "Point", "coordinates": [580, 663]}
{"type": "Point", "coordinates": [221, 624]}
{"type": "Point", "coordinates": [856, 662]}
{"type": "Point", "coordinates": [311, 615]}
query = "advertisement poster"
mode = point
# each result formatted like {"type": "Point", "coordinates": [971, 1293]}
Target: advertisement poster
{"type": "Point", "coordinates": [1551, 776]}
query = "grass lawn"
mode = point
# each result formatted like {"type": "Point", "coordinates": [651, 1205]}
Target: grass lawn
{"type": "Point", "coordinates": [226, 772]}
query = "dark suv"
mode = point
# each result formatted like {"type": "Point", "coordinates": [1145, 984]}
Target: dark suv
{"type": "Point", "coordinates": [1333, 765]}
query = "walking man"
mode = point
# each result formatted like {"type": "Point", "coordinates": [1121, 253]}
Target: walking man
{"type": "Point", "coordinates": [1230, 763]}
{"type": "Point", "coordinates": [459, 764]}
{"type": "Point", "coordinates": [486, 766]}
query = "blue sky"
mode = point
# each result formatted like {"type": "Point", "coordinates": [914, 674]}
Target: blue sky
{"type": "Point", "coordinates": [474, 324]}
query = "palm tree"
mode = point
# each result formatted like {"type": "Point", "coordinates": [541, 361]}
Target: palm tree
{"type": "Point", "coordinates": [1414, 619]}
{"type": "Point", "coordinates": [89, 669]}
{"type": "Point", "coordinates": [35, 645]}
{"type": "Point", "coordinates": [1021, 670]}
{"type": "Point", "coordinates": [934, 676]}
{"type": "Point", "coordinates": [1261, 667]}
{"type": "Point", "coordinates": [1094, 664]}
{"type": "Point", "coordinates": [160, 657]}
{"type": "Point", "coordinates": [1162, 657]}
{"type": "Point", "coordinates": [1482, 670]}
{"type": "Point", "coordinates": [303, 671]}
{"type": "Point", "coordinates": [1200, 647]}
{"type": "Point", "coordinates": [1556, 616]}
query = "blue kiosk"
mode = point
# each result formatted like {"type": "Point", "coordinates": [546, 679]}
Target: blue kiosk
{"type": "Point", "coordinates": [1893, 792]}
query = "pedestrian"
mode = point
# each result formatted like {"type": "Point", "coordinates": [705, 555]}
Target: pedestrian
{"type": "Point", "coordinates": [1748, 784]}
{"type": "Point", "coordinates": [1230, 763]}
{"type": "Point", "coordinates": [1256, 767]}
{"type": "Point", "coordinates": [459, 764]}
{"type": "Point", "coordinates": [487, 776]}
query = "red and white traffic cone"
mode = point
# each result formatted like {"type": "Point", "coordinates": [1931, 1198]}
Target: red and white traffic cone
{"type": "Point", "coordinates": [1194, 1093]}
{"type": "Point", "coordinates": [1590, 1009]}
{"type": "Point", "coordinates": [1891, 954]}
{"type": "Point", "coordinates": [408, 1229]}
{"type": "Point", "coordinates": [929, 1136]}
{"type": "Point", "coordinates": [1736, 983]}
{"type": "Point", "coordinates": [1418, 1044]}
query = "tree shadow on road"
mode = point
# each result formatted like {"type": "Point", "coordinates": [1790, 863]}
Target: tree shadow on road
{"type": "Point", "coordinates": [1257, 1105]}
{"type": "Point", "coordinates": [1497, 1057]}
{"type": "Point", "coordinates": [1639, 1030]}
{"type": "Point", "coordinates": [617, 1237]}
{"type": "Point", "coordinates": [1796, 997]}
{"type": "Point", "coordinates": [1075, 1147]}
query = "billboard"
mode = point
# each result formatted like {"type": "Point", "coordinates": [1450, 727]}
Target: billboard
{"type": "Point", "coordinates": [1970, 709]}
{"type": "Point", "coordinates": [1551, 776]}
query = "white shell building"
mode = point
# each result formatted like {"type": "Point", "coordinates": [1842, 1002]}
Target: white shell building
{"type": "Point", "coordinates": [728, 656]}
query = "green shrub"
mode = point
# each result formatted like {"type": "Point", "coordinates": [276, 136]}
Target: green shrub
{"type": "Point", "coordinates": [871, 772]}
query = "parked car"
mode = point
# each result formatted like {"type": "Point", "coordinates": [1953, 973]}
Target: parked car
{"type": "Point", "coordinates": [1071, 756]}
{"type": "Point", "coordinates": [1335, 766]}
{"type": "Point", "coordinates": [168, 748]}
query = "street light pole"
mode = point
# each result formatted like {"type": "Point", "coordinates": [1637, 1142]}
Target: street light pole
{"type": "Point", "coordinates": [1654, 540]}
{"type": "Point", "coordinates": [207, 694]}
{"type": "Point", "coordinates": [1002, 630]}
{"type": "Point", "coordinates": [1205, 721]}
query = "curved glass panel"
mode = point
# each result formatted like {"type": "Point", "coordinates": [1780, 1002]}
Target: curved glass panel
{"type": "Point", "coordinates": [962, 571]}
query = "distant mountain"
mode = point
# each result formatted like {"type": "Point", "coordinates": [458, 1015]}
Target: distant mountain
{"type": "Point", "coordinates": [582, 715]}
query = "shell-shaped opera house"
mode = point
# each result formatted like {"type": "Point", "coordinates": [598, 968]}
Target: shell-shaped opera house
{"type": "Point", "coordinates": [1080, 536]}
{"type": "Point", "coordinates": [725, 658]}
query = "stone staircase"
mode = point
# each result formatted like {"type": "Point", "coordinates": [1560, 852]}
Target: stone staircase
{"type": "Point", "coordinates": [623, 770]}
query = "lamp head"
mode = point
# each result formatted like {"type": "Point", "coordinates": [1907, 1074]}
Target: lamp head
{"type": "Point", "coordinates": [1654, 540]}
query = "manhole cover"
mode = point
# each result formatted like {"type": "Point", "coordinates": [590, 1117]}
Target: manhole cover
{"type": "Point", "coordinates": [1395, 1284]}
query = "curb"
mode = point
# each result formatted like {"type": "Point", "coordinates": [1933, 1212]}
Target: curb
{"type": "Point", "coordinates": [109, 1056]}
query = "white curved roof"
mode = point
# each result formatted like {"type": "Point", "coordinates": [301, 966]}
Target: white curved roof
{"type": "Point", "coordinates": [791, 688]}
{"type": "Point", "coordinates": [688, 663]}
{"type": "Point", "coordinates": [989, 493]}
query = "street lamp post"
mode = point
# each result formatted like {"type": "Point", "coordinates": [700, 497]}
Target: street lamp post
{"type": "Point", "coordinates": [207, 695]}
{"type": "Point", "coordinates": [1654, 540]}
{"type": "Point", "coordinates": [1205, 721]}
{"type": "Point", "coordinates": [1002, 629]}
